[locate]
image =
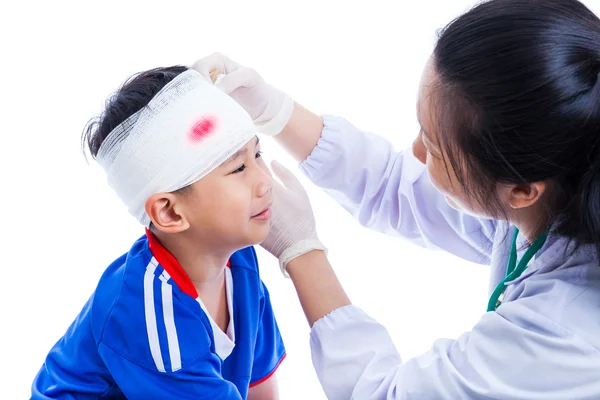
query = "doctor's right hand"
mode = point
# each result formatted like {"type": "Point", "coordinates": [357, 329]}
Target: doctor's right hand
{"type": "Point", "coordinates": [293, 228]}
{"type": "Point", "coordinates": [269, 107]}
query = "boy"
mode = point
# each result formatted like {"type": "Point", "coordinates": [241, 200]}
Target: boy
{"type": "Point", "coordinates": [183, 314]}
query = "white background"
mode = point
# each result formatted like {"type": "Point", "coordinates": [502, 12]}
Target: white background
{"type": "Point", "coordinates": [62, 225]}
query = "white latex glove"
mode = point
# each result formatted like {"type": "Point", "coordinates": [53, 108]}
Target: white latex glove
{"type": "Point", "coordinates": [269, 108]}
{"type": "Point", "coordinates": [293, 229]}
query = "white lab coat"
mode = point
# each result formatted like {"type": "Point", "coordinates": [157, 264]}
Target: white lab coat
{"type": "Point", "coordinates": [543, 342]}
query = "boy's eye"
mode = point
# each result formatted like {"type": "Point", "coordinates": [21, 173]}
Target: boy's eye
{"type": "Point", "coordinates": [243, 166]}
{"type": "Point", "coordinates": [240, 169]}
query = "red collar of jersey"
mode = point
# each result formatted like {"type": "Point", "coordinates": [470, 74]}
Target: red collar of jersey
{"type": "Point", "coordinates": [172, 266]}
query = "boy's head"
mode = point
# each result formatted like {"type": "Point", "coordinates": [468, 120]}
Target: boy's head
{"type": "Point", "coordinates": [184, 157]}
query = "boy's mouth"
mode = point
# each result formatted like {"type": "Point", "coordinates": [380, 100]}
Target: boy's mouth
{"type": "Point", "coordinates": [264, 215]}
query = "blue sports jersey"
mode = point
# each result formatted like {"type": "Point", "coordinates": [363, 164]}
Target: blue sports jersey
{"type": "Point", "coordinates": [143, 335]}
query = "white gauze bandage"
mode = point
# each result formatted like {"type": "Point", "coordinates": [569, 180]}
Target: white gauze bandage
{"type": "Point", "coordinates": [187, 130]}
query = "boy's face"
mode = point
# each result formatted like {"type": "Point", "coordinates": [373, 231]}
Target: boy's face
{"type": "Point", "coordinates": [230, 207]}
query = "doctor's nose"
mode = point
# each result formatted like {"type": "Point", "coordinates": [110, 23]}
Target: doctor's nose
{"type": "Point", "coordinates": [419, 150]}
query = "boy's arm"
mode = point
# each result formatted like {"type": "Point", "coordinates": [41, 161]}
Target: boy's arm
{"type": "Point", "coordinates": [269, 352]}
{"type": "Point", "coordinates": [266, 390]}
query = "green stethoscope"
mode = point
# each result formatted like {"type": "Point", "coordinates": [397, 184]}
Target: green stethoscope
{"type": "Point", "coordinates": [513, 271]}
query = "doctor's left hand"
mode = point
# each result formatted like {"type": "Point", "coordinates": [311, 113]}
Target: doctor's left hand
{"type": "Point", "coordinates": [293, 228]}
{"type": "Point", "coordinates": [270, 108]}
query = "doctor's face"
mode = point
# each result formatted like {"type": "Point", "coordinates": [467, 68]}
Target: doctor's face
{"type": "Point", "coordinates": [427, 148]}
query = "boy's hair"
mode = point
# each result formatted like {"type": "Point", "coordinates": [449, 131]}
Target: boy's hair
{"type": "Point", "coordinates": [134, 94]}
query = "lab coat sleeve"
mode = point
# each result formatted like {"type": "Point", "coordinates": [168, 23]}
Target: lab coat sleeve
{"type": "Point", "coordinates": [515, 355]}
{"type": "Point", "coordinates": [390, 192]}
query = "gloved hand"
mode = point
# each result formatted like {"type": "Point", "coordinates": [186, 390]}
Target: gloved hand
{"type": "Point", "coordinates": [269, 108]}
{"type": "Point", "coordinates": [293, 229]}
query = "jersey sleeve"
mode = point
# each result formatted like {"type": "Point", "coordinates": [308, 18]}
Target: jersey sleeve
{"type": "Point", "coordinates": [200, 380]}
{"type": "Point", "coordinates": [70, 364]}
{"type": "Point", "coordinates": [269, 350]}
{"type": "Point", "coordinates": [390, 192]}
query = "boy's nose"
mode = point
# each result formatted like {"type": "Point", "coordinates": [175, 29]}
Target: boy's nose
{"type": "Point", "coordinates": [265, 185]}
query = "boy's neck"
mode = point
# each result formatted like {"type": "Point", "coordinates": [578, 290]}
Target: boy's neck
{"type": "Point", "coordinates": [205, 267]}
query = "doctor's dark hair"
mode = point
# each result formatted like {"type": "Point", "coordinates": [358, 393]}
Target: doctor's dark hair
{"type": "Point", "coordinates": [132, 96]}
{"type": "Point", "coordinates": [518, 101]}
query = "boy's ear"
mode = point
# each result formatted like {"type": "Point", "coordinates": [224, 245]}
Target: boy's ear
{"type": "Point", "coordinates": [165, 212]}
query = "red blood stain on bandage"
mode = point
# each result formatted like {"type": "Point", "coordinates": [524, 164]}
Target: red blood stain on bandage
{"type": "Point", "coordinates": [202, 129]}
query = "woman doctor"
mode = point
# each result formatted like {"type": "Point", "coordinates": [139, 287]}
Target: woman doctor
{"type": "Point", "coordinates": [504, 171]}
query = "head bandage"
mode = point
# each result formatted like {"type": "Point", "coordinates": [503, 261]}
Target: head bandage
{"type": "Point", "coordinates": [187, 130]}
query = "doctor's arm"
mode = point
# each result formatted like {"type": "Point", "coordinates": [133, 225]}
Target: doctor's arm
{"type": "Point", "coordinates": [513, 353]}
{"type": "Point", "coordinates": [503, 356]}
{"type": "Point", "coordinates": [318, 288]}
{"type": "Point", "coordinates": [386, 190]}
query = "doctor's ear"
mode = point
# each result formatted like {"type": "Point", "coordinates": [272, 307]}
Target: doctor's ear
{"type": "Point", "coordinates": [523, 196]}
{"type": "Point", "coordinates": [166, 213]}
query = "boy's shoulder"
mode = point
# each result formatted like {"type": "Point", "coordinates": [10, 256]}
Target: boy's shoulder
{"type": "Point", "coordinates": [245, 258]}
{"type": "Point", "coordinates": [119, 281]}
{"type": "Point", "coordinates": [244, 266]}
{"type": "Point", "coordinates": [141, 314]}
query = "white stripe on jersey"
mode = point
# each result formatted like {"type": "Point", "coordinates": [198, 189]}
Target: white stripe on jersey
{"type": "Point", "coordinates": [167, 300]}
{"type": "Point", "coordinates": [150, 314]}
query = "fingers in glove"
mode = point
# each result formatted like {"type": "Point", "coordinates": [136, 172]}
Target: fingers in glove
{"type": "Point", "coordinates": [241, 78]}
{"type": "Point", "coordinates": [286, 176]}
{"type": "Point", "coordinates": [215, 64]}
